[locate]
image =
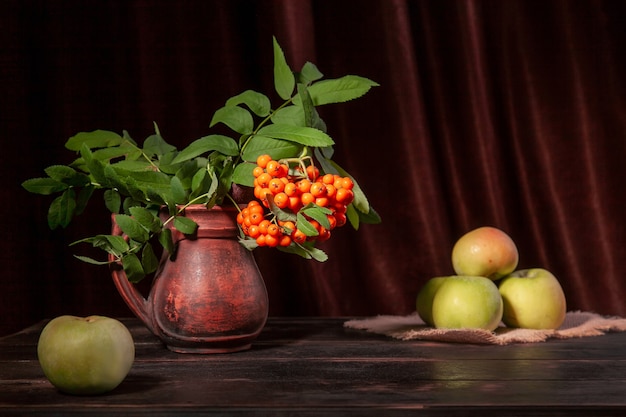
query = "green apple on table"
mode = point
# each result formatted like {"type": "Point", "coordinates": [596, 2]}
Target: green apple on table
{"type": "Point", "coordinates": [460, 302]}
{"type": "Point", "coordinates": [487, 252]}
{"type": "Point", "coordinates": [425, 298]}
{"type": "Point", "coordinates": [85, 355]}
{"type": "Point", "coordinates": [533, 299]}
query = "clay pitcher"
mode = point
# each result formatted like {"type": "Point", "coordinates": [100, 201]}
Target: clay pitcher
{"type": "Point", "coordinates": [211, 297]}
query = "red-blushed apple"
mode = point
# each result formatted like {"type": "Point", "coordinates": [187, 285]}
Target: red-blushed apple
{"type": "Point", "coordinates": [85, 356]}
{"type": "Point", "coordinates": [533, 299]}
{"type": "Point", "coordinates": [425, 296]}
{"type": "Point", "coordinates": [485, 252]}
{"type": "Point", "coordinates": [467, 302]}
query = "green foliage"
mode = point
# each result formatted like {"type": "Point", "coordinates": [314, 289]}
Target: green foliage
{"type": "Point", "coordinates": [138, 181]}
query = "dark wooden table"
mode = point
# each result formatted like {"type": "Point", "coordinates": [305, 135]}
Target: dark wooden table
{"type": "Point", "coordinates": [315, 366]}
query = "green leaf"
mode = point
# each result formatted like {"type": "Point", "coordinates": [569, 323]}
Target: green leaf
{"type": "Point", "coordinates": [305, 226]}
{"type": "Point", "coordinates": [44, 186]}
{"type": "Point", "coordinates": [276, 148]}
{"type": "Point", "coordinates": [67, 175]}
{"type": "Point", "coordinates": [84, 195]}
{"type": "Point", "coordinates": [156, 145]}
{"type": "Point", "coordinates": [133, 166]}
{"type": "Point", "coordinates": [199, 182]}
{"type": "Point", "coordinates": [318, 254]}
{"type": "Point", "coordinates": [284, 80]}
{"type": "Point", "coordinates": [340, 90]}
{"type": "Point", "coordinates": [133, 268]}
{"type": "Point", "coordinates": [112, 200]}
{"type": "Point", "coordinates": [237, 118]}
{"type": "Point", "coordinates": [61, 209]}
{"type": "Point", "coordinates": [95, 139]}
{"type": "Point", "coordinates": [146, 218]}
{"type": "Point", "coordinates": [220, 143]}
{"type": "Point", "coordinates": [129, 202]}
{"type": "Point", "coordinates": [133, 188]}
{"type": "Point", "coordinates": [317, 213]}
{"type": "Point", "coordinates": [307, 136]}
{"type": "Point", "coordinates": [306, 251]}
{"type": "Point", "coordinates": [243, 174]}
{"type": "Point", "coordinates": [94, 166]}
{"type": "Point", "coordinates": [353, 217]}
{"type": "Point", "coordinates": [309, 73]}
{"type": "Point", "coordinates": [106, 154]}
{"type": "Point", "coordinates": [178, 191]}
{"type": "Point", "coordinates": [132, 228]}
{"type": "Point", "coordinates": [289, 115]}
{"type": "Point", "coordinates": [89, 260]}
{"type": "Point", "coordinates": [213, 190]}
{"type": "Point", "coordinates": [165, 239]}
{"type": "Point", "coordinates": [117, 243]}
{"type": "Point", "coordinates": [249, 243]}
{"type": "Point", "coordinates": [371, 217]}
{"type": "Point", "coordinates": [185, 225]}
{"type": "Point", "coordinates": [308, 109]}
{"type": "Point", "coordinates": [257, 102]}
{"type": "Point", "coordinates": [149, 260]}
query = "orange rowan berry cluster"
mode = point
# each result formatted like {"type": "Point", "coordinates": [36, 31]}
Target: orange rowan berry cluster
{"type": "Point", "coordinates": [292, 189]}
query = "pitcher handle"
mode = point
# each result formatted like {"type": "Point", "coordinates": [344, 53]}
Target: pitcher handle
{"type": "Point", "coordinates": [137, 303]}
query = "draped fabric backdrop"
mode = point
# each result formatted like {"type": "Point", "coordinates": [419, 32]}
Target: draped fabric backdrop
{"type": "Point", "coordinates": [508, 113]}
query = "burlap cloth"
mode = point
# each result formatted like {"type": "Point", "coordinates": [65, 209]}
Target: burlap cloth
{"type": "Point", "coordinates": [411, 327]}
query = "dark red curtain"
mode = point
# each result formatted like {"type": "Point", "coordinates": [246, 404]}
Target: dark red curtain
{"type": "Point", "coordinates": [508, 113]}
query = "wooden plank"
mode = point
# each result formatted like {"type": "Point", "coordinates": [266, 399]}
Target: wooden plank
{"type": "Point", "coordinates": [316, 367]}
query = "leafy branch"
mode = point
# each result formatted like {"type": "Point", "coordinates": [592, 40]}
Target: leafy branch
{"type": "Point", "coordinates": [147, 187]}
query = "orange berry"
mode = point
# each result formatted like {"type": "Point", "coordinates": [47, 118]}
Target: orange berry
{"type": "Point", "coordinates": [307, 198]}
{"type": "Point", "coordinates": [294, 203]}
{"type": "Point", "coordinates": [263, 226]}
{"type": "Point", "coordinates": [328, 179]}
{"type": "Point", "coordinates": [273, 168]}
{"type": "Point", "coordinates": [341, 219]}
{"type": "Point", "coordinates": [253, 231]}
{"type": "Point", "coordinates": [344, 196]}
{"type": "Point", "coordinates": [315, 224]}
{"type": "Point", "coordinates": [312, 172]}
{"type": "Point", "coordinates": [318, 189]}
{"type": "Point", "coordinates": [321, 201]}
{"type": "Point", "coordinates": [273, 230]}
{"type": "Point", "coordinates": [290, 189]}
{"type": "Point", "coordinates": [284, 241]}
{"type": "Point", "coordinates": [339, 208]}
{"type": "Point", "coordinates": [303, 186]}
{"type": "Point", "coordinates": [264, 179]}
{"type": "Point", "coordinates": [347, 183]}
{"type": "Point", "coordinates": [330, 190]}
{"type": "Point", "coordinates": [271, 241]}
{"type": "Point", "coordinates": [276, 185]}
{"type": "Point", "coordinates": [324, 234]}
{"type": "Point", "coordinates": [257, 191]}
{"type": "Point", "coordinates": [332, 221]}
{"type": "Point", "coordinates": [255, 218]}
{"type": "Point", "coordinates": [298, 236]}
{"type": "Point", "coordinates": [257, 171]}
{"type": "Point", "coordinates": [262, 160]}
{"type": "Point", "coordinates": [281, 200]}
{"type": "Point", "coordinates": [258, 208]}
{"type": "Point", "coordinates": [240, 218]}
{"type": "Point", "coordinates": [288, 227]}
{"type": "Point", "coordinates": [260, 240]}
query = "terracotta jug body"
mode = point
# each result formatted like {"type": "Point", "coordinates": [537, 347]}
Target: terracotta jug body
{"type": "Point", "coordinates": [211, 297]}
